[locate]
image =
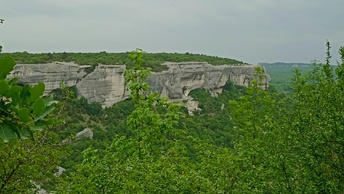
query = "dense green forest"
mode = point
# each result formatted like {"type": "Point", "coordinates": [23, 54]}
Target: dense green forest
{"type": "Point", "coordinates": [152, 60]}
{"type": "Point", "coordinates": [246, 140]}
{"type": "Point", "coordinates": [281, 76]}
{"type": "Point", "coordinates": [282, 64]}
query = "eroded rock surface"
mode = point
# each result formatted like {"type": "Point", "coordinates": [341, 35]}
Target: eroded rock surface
{"type": "Point", "coordinates": [106, 84]}
{"type": "Point", "coordinates": [51, 74]}
{"type": "Point", "coordinates": [182, 78]}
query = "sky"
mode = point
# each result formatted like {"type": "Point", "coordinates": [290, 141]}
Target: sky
{"type": "Point", "coordinates": [251, 31]}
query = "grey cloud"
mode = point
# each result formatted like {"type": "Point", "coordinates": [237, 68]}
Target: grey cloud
{"type": "Point", "coordinates": [250, 30]}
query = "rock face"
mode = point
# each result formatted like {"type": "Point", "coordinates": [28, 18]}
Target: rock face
{"type": "Point", "coordinates": [51, 74]}
{"type": "Point", "coordinates": [86, 133]}
{"type": "Point", "coordinates": [106, 84]}
{"type": "Point", "coordinates": [181, 78]}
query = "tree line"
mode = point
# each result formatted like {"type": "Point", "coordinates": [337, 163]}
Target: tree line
{"type": "Point", "coordinates": [152, 60]}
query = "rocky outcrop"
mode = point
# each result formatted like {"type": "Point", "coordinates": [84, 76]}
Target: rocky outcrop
{"type": "Point", "coordinates": [51, 74]}
{"type": "Point", "coordinates": [106, 83]}
{"type": "Point", "coordinates": [191, 105]}
{"type": "Point", "coordinates": [59, 172]}
{"type": "Point", "coordinates": [86, 133]}
{"type": "Point", "coordinates": [181, 78]}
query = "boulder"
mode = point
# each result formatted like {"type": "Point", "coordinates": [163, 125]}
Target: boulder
{"type": "Point", "coordinates": [86, 133]}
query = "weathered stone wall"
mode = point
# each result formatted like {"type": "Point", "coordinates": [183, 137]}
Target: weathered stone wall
{"type": "Point", "coordinates": [106, 84]}
{"type": "Point", "coordinates": [52, 74]}
{"type": "Point", "coordinates": [181, 78]}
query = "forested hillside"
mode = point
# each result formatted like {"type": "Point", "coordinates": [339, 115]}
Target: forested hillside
{"type": "Point", "coordinates": [281, 76]}
{"type": "Point", "coordinates": [246, 140]}
{"type": "Point", "coordinates": [281, 64]}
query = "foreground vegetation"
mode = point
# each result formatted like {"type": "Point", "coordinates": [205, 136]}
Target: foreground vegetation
{"type": "Point", "coordinates": [246, 140]}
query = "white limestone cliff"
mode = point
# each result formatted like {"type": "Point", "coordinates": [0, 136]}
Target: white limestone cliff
{"type": "Point", "coordinates": [106, 84]}
{"type": "Point", "coordinates": [181, 78]}
{"type": "Point", "coordinates": [51, 74]}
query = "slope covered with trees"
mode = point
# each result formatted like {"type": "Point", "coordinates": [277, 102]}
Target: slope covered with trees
{"type": "Point", "coordinates": [246, 140]}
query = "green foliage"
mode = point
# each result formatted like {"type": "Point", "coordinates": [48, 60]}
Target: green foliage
{"type": "Point", "coordinates": [154, 158]}
{"type": "Point", "coordinates": [23, 110]}
{"type": "Point", "coordinates": [27, 163]}
{"type": "Point", "coordinates": [253, 117]}
{"type": "Point", "coordinates": [7, 65]}
{"type": "Point", "coordinates": [318, 117]}
{"type": "Point", "coordinates": [299, 151]}
{"type": "Point", "coordinates": [281, 77]}
{"type": "Point", "coordinates": [152, 60]}
{"type": "Point", "coordinates": [136, 77]}
{"type": "Point", "coordinates": [30, 150]}
{"type": "Point", "coordinates": [259, 142]}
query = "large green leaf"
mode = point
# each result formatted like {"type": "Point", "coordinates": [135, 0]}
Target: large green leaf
{"type": "Point", "coordinates": [48, 101]}
{"type": "Point", "coordinates": [14, 94]}
{"type": "Point", "coordinates": [13, 81]}
{"type": "Point", "coordinates": [24, 114]}
{"type": "Point", "coordinates": [37, 91]}
{"type": "Point", "coordinates": [3, 87]}
{"type": "Point", "coordinates": [39, 126]}
{"type": "Point", "coordinates": [25, 133]}
{"type": "Point", "coordinates": [25, 93]}
{"type": "Point", "coordinates": [38, 106]}
{"type": "Point", "coordinates": [7, 132]}
{"type": "Point", "coordinates": [47, 110]}
{"type": "Point", "coordinates": [6, 66]}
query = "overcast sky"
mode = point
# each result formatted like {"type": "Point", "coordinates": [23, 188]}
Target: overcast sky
{"type": "Point", "coordinates": [248, 30]}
